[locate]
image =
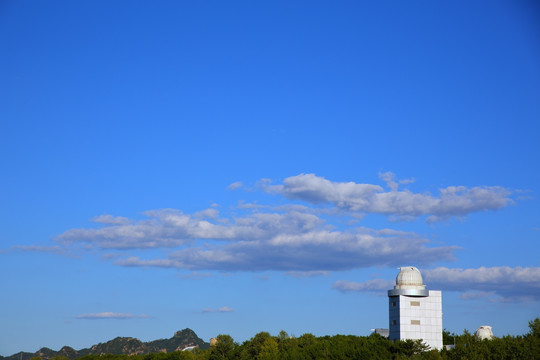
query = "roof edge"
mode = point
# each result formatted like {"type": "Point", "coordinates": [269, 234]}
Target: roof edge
{"type": "Point", "coordinates": [409, 292]}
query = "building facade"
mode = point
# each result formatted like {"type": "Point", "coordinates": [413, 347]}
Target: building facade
{"type": "Point", "coordinates": [415, 312]}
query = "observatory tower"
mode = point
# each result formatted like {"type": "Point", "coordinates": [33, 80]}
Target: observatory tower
{"type": "Point", "coordinates": [415, 313]}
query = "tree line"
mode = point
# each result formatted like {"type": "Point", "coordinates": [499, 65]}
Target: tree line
{"type": "Point", "coordinates": [264, 346]}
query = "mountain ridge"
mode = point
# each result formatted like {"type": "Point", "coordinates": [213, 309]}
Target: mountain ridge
{"type": "Point", "coordinates": [120, 345]}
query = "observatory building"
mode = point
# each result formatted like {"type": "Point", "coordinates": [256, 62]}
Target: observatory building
{"type": "Point", "coordinates": [414, 312]}
{"type": "Point", "coordinates": [484, 332]}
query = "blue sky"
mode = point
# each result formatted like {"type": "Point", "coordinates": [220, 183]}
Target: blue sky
{"type": "Point", "coordinates": [236, 167]}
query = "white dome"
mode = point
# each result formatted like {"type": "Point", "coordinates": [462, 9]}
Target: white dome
{"type": "Point", "coordinates": [409, 283]}
{"type": "Point", "coordinates": [484, 332]}
{"type": "Point", "coordinates": [409, 277]}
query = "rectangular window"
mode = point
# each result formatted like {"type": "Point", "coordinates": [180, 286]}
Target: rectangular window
{"type": "Point", "coordinates": [415, 303]}
{"type": "Point", "coordinates": [393, 303]}
{"type": "Point", "coordinates": [415, 322]}
{"type": "Point", "coordinates": [394, 322]}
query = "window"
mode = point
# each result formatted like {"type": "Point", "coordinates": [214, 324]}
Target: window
{"type": "Point", "coordinates": [394, 322]}
{"type": "Point", "coordinates": [415, 322]}
{"type": "Point", "coordinates": [415, 303]}
{"type": "Point", "coordinates": [393, 304]}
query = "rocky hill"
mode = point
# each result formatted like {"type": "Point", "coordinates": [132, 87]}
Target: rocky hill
{"type": "Point", "coordinates": [120, 345]}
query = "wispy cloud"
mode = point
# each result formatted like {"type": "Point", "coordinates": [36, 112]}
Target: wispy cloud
{"type": "Point", "coordinates": [303, 274]}
{"type": "Point", "coordinates": [110, 315]}
{"type": "Point", "coordinates": [291, 239]}
{"type": "Point", "coordinates": [375, 285]}
{"type": "Point", "coordinates": [195, 275]}
{"type": "Point", "coordinates": [235, 185]}
{"type": "Point", "coordinates": [110, 220]}
{"type": "Point", "coordinates": [224, 309]}
{"type": "Point", "coordinates": [38, 248]}
{"type": "Point", "coordinates": [510, 283]}
{"type": "Point", "coordinates": [501, 283]}
{"type": "Point", "coordinates": [452, 201]}
{"type": "Point", "coordinates": [55, 249]}
{"type": "Point", "coordinates": [475, 295]}
{"type": "Point", "coordinates": [169, 228]}
{"type": "Point", "coordinates": [315, 250]}
{"type": "Point", "coordinates": [391, 181]}
{"type": "Point", "coordinates": [300, 241]}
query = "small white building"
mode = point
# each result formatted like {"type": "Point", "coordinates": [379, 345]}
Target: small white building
{"type": "Point", "coordinates": [484, 332]}
{"type": "Point", "coordinates": [414, 312]}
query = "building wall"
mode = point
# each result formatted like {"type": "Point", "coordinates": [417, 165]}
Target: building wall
{"type": "Point", "coordinates": [417, 318]}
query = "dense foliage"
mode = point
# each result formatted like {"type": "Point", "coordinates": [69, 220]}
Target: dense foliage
{"type": "Point", "coordinates": [264, 346]}
{"type": "Point", "coordinates": [468, 346]}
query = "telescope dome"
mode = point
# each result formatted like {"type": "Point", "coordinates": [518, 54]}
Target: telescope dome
{"type": "Point", "coordinates": [409, 276]}
{"type": "Point", "coordinates": [409, 282]}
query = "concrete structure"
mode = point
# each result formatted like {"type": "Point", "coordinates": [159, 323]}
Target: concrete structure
{"type": "Point", "coordinates": [414, 312]}
{"type": "Point", "coordinates": [383, 332]}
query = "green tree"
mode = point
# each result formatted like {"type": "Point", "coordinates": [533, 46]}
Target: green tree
{"type": "Point", "coordinates": [410, 347]}
{"type": "Point", "coordinates": [448, 338]}
{"type": "Point", "coordinates": [282, 335]}
{"type": "Point", "coordinates": [534, 326]}
{"type": "Point", "coordinates": [224, 349]}
{"type": "Point", "coordinates": [252, 347]}
{"type": "Point", "coordinates": [269, 350]}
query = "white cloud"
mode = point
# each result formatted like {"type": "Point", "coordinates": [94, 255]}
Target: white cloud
{"type": "Point", "coordinates": [315, 189]}
{"type": "Point", "coordinates": [59, 250]}
{"type": "Point", "coordinates": [110, 220]}
{"type": "Point", "coordinates": [376, 285]}
{"type": "Point", "coordinates": [171, 228]}
{"type": "Point", "coordinates": [286, 238]}
{"type": "Point", "coordinates": [223, 309]}
{"type": "Point", "coordinates": [510, 283]}
{"type": "Point", "coordinates": [235, 185]}
{"type": "Point", "coordinates": [500, 283]}
{"type": "Point", "coordinates": [210, 213]}
{"type": "Point", "coordinates": [475, 295]}
{"type": "Point", "coordinates": [292, 238]}
{"type": "Point", "coordinates": [38, 248]}
{"type": "Point", "coordinates": [136, 262]}
{"type": "Point", "coordinates": [195, 275]}
{"type": "Point", "coordinates": [110, 315]}
{"type": "Point", "coordinates": [368, 198]}
{"type": "Point", "coordinates": [390, 179]}
{"type": "Point", "coordinates": [303, 274]}
{"type": "Point", "coordinates": [315, 250]}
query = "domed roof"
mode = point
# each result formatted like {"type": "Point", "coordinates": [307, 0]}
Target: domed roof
{"type": "Point", "coordinates": [409, 282]}
{"type": "Point", "coordinates": [409, 276]}
{"type": "Point", "coordinates": [484, 332]}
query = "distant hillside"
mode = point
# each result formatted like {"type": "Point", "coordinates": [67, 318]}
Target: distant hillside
{"type": "Point", "coordinates": [121, 345]}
